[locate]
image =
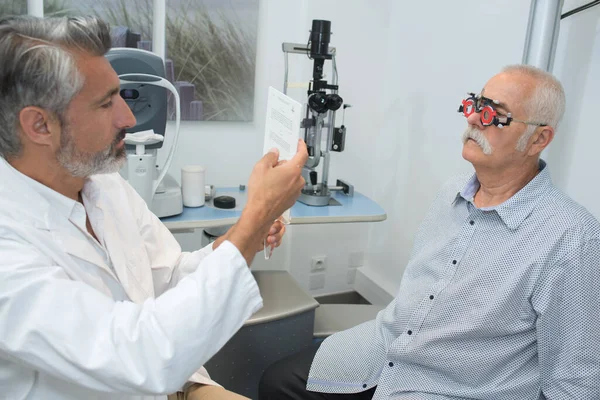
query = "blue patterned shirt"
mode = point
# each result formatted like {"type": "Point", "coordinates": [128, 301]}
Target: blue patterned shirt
{"type": "Point", "coordinates": [496, 303]}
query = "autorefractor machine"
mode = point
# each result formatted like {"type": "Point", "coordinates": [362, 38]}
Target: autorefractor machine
{"type": "Point", "coordinates": [144, 89]}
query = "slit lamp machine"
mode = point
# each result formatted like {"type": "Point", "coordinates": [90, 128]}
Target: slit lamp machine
{"type": "Point", "coordinates": [320, 134]}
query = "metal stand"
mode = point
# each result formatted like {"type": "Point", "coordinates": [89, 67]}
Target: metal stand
{"type": "Point", "coordinates": [322, 103]}
{"type": "Point", "coordinates": [318, 196]}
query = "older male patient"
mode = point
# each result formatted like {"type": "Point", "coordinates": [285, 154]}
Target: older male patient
{"type": "Point", "coordinates": [501, 296]}
{"type": "Point", "coordinates": [97, 300]}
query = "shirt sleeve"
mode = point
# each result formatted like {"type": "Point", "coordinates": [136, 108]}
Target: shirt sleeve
{"type": "Point", "coordinates": [70, 330]}
{"type": "Point", "coordinates": [567, 300]}
{"type": "Point", "coordinates": [189, 262]}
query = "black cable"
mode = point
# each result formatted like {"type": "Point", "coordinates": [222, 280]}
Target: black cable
{"type": "Point", "coordinates": [579, 9]}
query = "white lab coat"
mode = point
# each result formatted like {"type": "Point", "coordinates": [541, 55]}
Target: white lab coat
{"type": "Point", "coordinates": [131, 319]}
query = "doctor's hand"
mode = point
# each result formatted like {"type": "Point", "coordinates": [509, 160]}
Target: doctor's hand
{"type": "Point", "coordinates": [272, 189]}
{"type": "Point", "coordinates": [275, 235]}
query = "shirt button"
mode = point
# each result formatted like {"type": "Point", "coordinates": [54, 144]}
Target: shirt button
{"type": "Point", "coordinates": [391, 364]}
{"type": "Point", "coordinates": [431, 297]}
{"type": "Point", "coordinates": [472, 222]}
{"type": "Point", "coordinates": [409, 332]}
{"type": "Point", "coordinates": [364, 385]}
{"type": "Point", "coordinates": [454, 262]}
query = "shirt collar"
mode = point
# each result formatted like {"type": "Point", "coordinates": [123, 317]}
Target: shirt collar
{"type": "Point", "coordinates": [516, 209]}
{"type": "Point", "coordinates": [56, 202]}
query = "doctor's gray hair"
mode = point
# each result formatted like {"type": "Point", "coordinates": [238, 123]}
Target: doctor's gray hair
{"type": "Point", "coordinates": [38, 68]}
{"type": "Point", "coordinates": [546, 105]}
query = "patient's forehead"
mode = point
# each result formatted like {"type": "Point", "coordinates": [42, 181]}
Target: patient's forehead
{"type": "Point", "coordinates": [511, 89]}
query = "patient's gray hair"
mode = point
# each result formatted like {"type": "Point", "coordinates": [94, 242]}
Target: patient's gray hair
{"type": "Point", "coordinates": [546, 105]}
{"type": "Point", "coordinates": [38, 68]}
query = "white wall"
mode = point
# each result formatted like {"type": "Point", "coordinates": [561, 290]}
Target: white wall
{"type": "Point", "coordinates": [437, 51]}
{"type": "Point", "coordinates": [404, 66]}
{"type": "Point", "coordinates": [574, 152]}
{"type": "Point", "coordinates": [238, 145]}
{"type": "Point", "coordinates": [229, 149]}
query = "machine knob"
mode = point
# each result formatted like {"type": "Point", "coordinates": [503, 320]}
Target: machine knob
{"type": "Point", "coordinates": [313, 177]}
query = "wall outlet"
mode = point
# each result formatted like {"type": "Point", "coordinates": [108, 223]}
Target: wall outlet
{"type": "Point", "coordinates": [317, 281]}
{"type": "Point", "coordinates": [350, 275]}
{"type": "Point", "coordinates": [318, 263]}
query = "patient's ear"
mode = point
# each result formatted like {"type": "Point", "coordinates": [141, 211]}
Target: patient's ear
{"type": "Point", "coordinates": [541, 139]}
{"type": "Point", "coordinates": [38, 126]}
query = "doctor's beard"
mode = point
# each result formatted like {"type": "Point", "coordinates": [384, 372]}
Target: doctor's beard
{"type": "Point", "coordinates": [82, 164]}
{"type": "Point", "coordinates": [479, 138]}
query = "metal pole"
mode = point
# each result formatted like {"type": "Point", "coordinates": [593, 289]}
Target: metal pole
{"type": "Point", "coordinates": [330, 127]}
{"type": "Point", "coordinates": [158, 33]}
{"type": "Point", "coordinates": [542, 33]}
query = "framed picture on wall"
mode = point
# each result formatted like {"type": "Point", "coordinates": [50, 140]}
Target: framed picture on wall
{"type": "Point", "coordinates": [210, 47]}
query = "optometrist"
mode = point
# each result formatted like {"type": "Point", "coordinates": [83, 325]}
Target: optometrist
{"type": "Point", "coordinates": [500, 297]}
{"type": "Point", "coordinates": [97, 300]}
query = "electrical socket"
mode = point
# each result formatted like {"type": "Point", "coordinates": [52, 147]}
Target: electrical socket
{"type": "Point", "coordinates": [317, 281]}
{"type": "Point", "coordinates": [318, 263]}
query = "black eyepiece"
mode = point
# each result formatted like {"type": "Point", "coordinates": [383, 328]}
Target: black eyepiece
{"type": "Point", "coordinates": [320, 35]}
